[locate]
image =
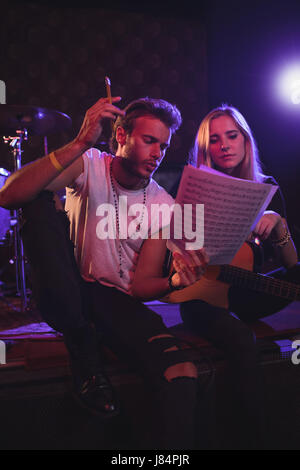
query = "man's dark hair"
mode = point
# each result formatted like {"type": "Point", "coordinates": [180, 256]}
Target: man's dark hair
{"type": "Point", "coordinates": [160, 109]}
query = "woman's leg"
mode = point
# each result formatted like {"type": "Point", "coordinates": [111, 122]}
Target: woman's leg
{"type": "Point", "coordinates": [237, 342]}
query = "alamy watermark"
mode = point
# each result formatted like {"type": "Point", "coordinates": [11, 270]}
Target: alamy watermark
{"type": "Point", "coordinates": [296, 354]}
{"type": "Point", "coordinates": [2, 352]}
{"type": "Point", "coordinates": [2, 92]}
{"type": "Point", "coordinates": [135, 221]}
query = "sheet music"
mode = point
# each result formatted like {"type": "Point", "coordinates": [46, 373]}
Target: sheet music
{"type": "Point", "coordinates": [231, 209]}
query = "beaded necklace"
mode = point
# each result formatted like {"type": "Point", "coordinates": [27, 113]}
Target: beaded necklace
{"type": "Point", "coordinates": [138, 228]}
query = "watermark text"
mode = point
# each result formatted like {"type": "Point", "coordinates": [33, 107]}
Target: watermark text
{"type": "Point", "coordinates": [2, 352]}
{"type": "Point", "coordinates": [2, 92]}
{"type": "Point", "coordinates": [296, 354]}
{"type": "Point", "coordinates": [178, 222]}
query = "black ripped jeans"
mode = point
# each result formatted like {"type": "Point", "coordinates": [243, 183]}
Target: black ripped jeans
{"type": "Point", "coordinates": [85, 312]}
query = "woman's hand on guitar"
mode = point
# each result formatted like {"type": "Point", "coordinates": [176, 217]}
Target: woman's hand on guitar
{"type": "Point", "coordinates": [189, 267]}
{"type": "Point", "coordinates": [269, 221]}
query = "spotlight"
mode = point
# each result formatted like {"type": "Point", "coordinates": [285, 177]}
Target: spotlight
{"type": "Point", "coordinates": [295, 91]}
{"type": "Point", "coordinates": [289, 84]}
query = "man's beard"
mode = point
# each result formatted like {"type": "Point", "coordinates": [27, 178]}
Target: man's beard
{"type": "Point", "coordinates": [129, 161]}
{"type": "Point", "coordinates": [130, 165]}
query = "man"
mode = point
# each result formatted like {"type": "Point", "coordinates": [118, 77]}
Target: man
{"type": "Point", "coordinates": [99, 297]}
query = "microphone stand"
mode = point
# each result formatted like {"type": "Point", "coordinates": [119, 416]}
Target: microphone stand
{"type": "Point", "coordinates": [15, 221]}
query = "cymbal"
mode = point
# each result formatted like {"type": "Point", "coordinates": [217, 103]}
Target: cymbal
{"type": "Point", "coordinates": [36, 120]}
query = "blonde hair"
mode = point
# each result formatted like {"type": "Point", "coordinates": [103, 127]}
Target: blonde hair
{"type": "Point", "coordinates": [250, 167]}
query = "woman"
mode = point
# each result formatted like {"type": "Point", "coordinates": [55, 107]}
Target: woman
{"type": "Point", "coordinates": [225, 142]}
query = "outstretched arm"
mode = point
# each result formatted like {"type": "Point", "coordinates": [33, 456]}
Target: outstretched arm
{"type": "Point", "coordinates": [26, 183]}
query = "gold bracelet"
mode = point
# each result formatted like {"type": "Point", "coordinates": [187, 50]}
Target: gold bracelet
{"type": "Point", "coordinates": [283, 240]}
{"type": "Point", "coordinates": [55, 162]}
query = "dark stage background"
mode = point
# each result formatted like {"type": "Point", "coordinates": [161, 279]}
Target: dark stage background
{"type": "Point", "coordinates": [56, 56]}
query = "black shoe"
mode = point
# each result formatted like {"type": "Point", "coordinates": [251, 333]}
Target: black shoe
{"type": "Point", "coordinates": [97, 396]}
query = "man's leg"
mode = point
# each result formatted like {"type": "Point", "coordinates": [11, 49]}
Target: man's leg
{"type": "Point", "coordinates": [57, 288]}
{"type": "Point", "coordinates": [139, 335]}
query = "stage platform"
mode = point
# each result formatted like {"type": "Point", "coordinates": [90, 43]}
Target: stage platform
{"type": "Point", "coordinates": [37, 411]}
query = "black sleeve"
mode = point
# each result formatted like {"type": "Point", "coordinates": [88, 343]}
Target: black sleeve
{"type": "Point", "coordinates": [277, 203]}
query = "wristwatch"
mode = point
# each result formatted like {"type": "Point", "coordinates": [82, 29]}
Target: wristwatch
{"type": "Point", "coordinates": [171, 286]}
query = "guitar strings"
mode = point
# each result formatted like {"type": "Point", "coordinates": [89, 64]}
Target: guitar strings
{"type": "Point", "coordinates": [268, 282]}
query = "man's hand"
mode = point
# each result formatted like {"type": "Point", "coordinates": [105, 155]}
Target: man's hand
{"type": "Point", "coordinates": [189, 267]}
{"type": "Point", "coordinates": [91, 128]}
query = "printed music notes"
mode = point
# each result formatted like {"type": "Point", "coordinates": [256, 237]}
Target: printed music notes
{"type": "Point", "coordinates": [232, 208]}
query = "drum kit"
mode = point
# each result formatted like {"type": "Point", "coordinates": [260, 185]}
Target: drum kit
{"type": "Point", "coordinates": [17, 124]}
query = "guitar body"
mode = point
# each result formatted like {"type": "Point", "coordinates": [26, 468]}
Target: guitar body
{"type": "Point", "coordinates": [209, 288]}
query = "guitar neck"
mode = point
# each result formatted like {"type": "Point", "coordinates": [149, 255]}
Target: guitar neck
{"type": "Point", "coordinates": [259, 282]}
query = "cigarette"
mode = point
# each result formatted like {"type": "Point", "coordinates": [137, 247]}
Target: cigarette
{"type": "Point", "coordinates": [108, 92]}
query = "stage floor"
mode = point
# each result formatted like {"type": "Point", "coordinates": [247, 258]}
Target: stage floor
{"type": "Point", "coordinates": [31, 345]}
{"type": "Point", "coordinates": [35, 386]}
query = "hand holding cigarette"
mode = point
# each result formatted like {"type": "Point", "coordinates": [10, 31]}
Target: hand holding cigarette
{"type": "Point", "coordinates": [108, 89]}
{"type": "Point", "coordinates": [91, 128]}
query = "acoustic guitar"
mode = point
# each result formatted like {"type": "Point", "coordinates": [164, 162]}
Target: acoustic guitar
{"type": "Point", "coordinates": [214, 285]}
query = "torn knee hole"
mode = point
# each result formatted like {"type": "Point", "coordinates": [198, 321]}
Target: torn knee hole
{"type": "Point", "coordinates": [183, 369]}
{"type": "Point", "coordinates": [165, 335]}
{"type": "Point", "coordinates": [173, 348]}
